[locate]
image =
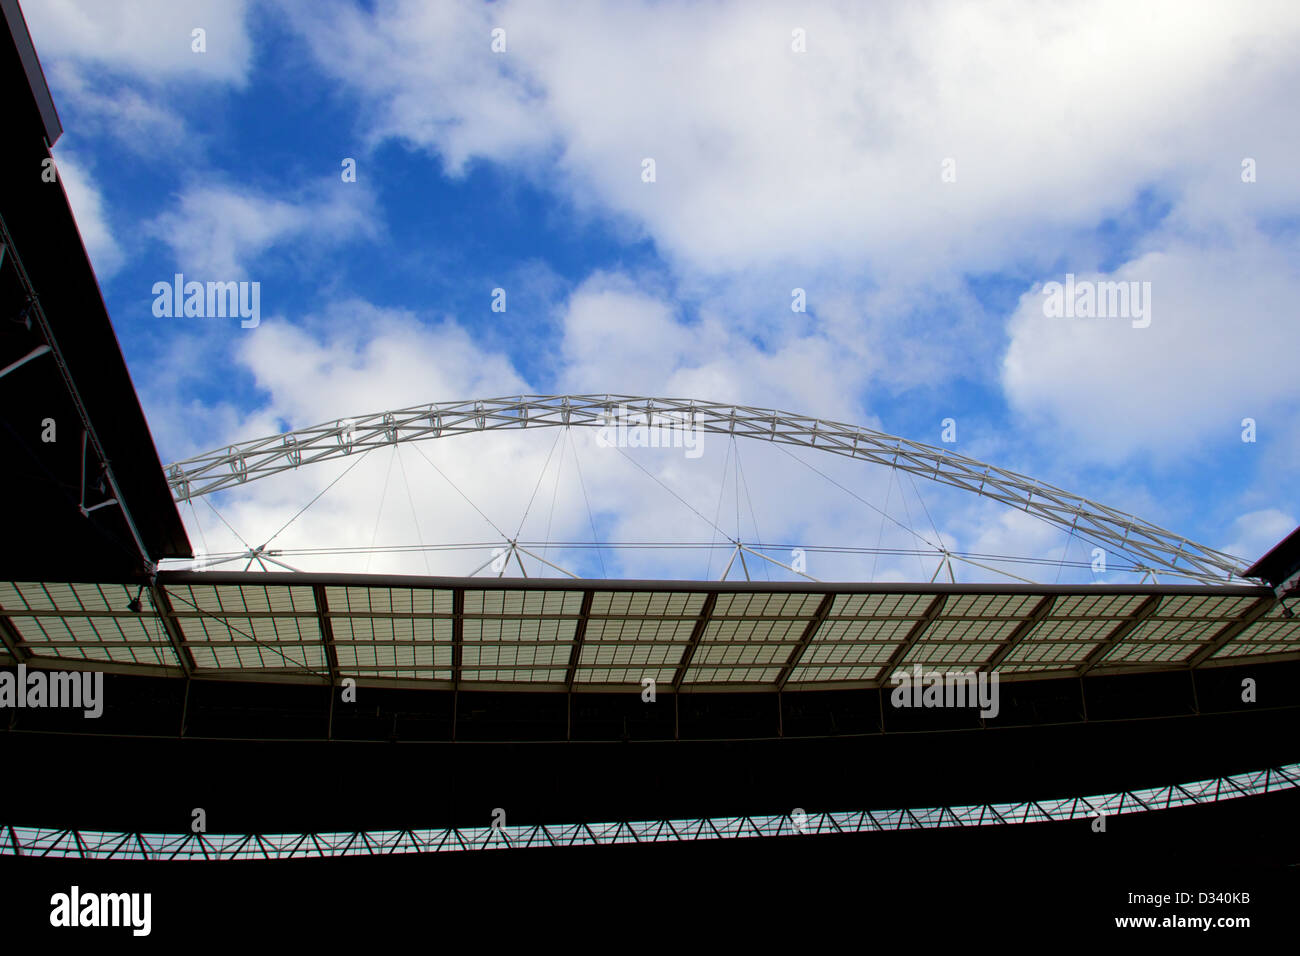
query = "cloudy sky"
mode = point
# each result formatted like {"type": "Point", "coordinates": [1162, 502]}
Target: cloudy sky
{"type": "Point", "coordinates": [922, 171]}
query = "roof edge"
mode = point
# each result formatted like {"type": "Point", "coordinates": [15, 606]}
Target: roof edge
{"type": "Point", "coordinates": [22, 37]}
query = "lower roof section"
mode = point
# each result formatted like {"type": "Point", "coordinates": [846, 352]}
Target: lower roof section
{"type": "Point", "coordinates": [602, 636]}
{"type": "Point", "coordinates": [161, 847]}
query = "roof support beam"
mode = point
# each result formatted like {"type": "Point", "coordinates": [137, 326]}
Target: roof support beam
{"type": "Point", "coordinates": [809, 632]}
{"type": "Point", "coordinates": [1125, 627]}
{"type": "Point", "coordinates": [12, 640]}
{"type": "Point", "coordinates": [697, 634]}
{"type": "Point", "coordinates": [457, 635]}
{"type": "Point", "coordinates": [1023, 629]}
{"type": "Point", "coordinates": [326, 632]}
{"type": "Point", "coordinates": [34, 353]}
{"type": "Point", "coordinates": [579, 635]}
{"type": "Point", "coordinates": [92, 436]}
{"type": "Point", "coordinates": [918, 629]}
{"type": "Point", "coordinates": [163, 605]}
{"type": "Point", "coordinates": [1230, 631]}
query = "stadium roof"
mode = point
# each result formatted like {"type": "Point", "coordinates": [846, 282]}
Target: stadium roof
{"type": "Point", "coordinates": [557, 635]}
{"type": "Point", "coordinates": [70, 417]}
{"type": "Point", "coordinates": [1281, 562]}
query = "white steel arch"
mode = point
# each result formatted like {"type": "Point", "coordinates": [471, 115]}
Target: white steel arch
{"type": "Point", "coordinates": [1158, 550]}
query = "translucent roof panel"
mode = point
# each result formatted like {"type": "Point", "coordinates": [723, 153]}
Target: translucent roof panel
{"type": "Point", "coordinates": [766, 605]}
{"type": "Point", "coordinates": [1269, 634]}
{"type": "Point", "coordinates": [389, 601]}
{"type": "Point", "coordinates": [473, 633]}
{"type": "Point", "coordinates": [1065, 653]}
{"type": "Point", "coordinates": [757, 631]}
{"type": "Point", "coordinates": [85, 622]}
{"type": "Point", "coordinates": [124, 638]}
{"type": "Point", "coordinates": [605, 649]}
{"type": "Point", "coordinates": [880, 605]}
{"type": "Point", "coordinates": [647, 603]}
{"type": "Point", "coordinates": [256, 643]}
{"type": "Point", "coordinates": [243, 599]}
{"type": "Point", "coordinates": [946, 655]}
{"type": "Point", "coordinates": [870, 630]}
{"type": "Point", "coordinates": [835, 674]}
{"type": "Point", "coordinates": [838, 652]}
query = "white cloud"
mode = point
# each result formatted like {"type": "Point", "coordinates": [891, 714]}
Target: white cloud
{"type": "Point", "coordinates": [832, 156]}
{"type": "Point", "coordinates": [223, 230]}
{"type": "Point", "coordinates": [141, 121]}
{"type": "Point", "coordinates": [1256, 532]}
{"type": "Point", "coordinates": [824, 167]}
{"type": "Point", "coordinates": [150, 39]}
{"type": "Point", "coordinates": [88, 208]}
{"type": "Point", "coordinates": [429, 71]}
{"type": "Point", "coordinates": [617, 336]}
{"type": "Point", "coordinates": [1218, 349]}
{"type": "Point", "coordinates": [359, 358]}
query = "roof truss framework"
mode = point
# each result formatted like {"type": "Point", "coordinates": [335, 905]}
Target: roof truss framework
{"type": "Point", "coordinates": [100, 845]}
{"type": "Point", "coordinates": [539, 635]}
{"type": "Point", "coordinates": [1156, 549]}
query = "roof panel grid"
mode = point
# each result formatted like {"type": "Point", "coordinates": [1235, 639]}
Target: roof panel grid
{"type": "Point", "coordinates": [243, 599]}
{"type": "Point", "coordinates": [803, 674]}
{"type": "Point", "coordinates": [258, 630]}
{"type": "Point", "coordinates": [749, 605]}
{"type": "Point", "coordinates": [743, 631]}
{"type": "Point", "coordinates": [606, 655]}
{"type": "Point", "coordinates": [844, 653]}
{"type": "Point", "coordinates": [647, 604]}
{"type": "Point", "coordinates": [1272, 627]}
{"type": "Point", "coordinates": [416, 630]}
{"type": "Point", "coordinates": [1150, 652]}
{"type": "Point", "coordinates": [880, 605]}
{"type": "Point", "coordinates": [1071, 629]}
{"type": "Point", "coordinates": [942, 655]}
{"type": "Point", "coordinates": [739, 674]}
{"type": "Point", "coordinates": [949, 629]}
{"type": "Point", "coordinates": [990, 605]}
{"type": "Point", "coordinates": [639, 630]}
{"type": "Point", "coordinates": [389, 601]}
{"type": "Point", "coordinates": [523, 603]}
{"type": "Point", "coordinates": [1252, 648]}
{"type": "Point", "coordinates": [626, 675]}
{"type": "Point", "coordinates": [755, 635]}
{"type": "Point", "coordinates": [1202, 606]}
{"type": "Point", "coordinates": [514, 655]}
{"type": "Point", "coordinates": [1113, 606]}
{"type": "Point", "coordinates": [742, 654]}
{"type": "Point", "coordinates": [518, 630]}
{"type": "Point", "coordinates": [1073, 653]}
{"type": "Point", "coordinates": [857, 631]}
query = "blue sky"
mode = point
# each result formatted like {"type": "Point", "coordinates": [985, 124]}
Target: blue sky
{"type": "Point", "coordinates": [1085, 138]}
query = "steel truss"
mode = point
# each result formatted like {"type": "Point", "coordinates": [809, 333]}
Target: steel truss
{"type": "Point", "coordinates": [1159, 550]}
{"type": "Point", "coordinates": [100, 845]}
{"type": "Point", "coordinates": [34, 312]}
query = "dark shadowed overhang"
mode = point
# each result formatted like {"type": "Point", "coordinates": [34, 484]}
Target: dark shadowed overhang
{"type": "Point", "coordinates": [62, 364]}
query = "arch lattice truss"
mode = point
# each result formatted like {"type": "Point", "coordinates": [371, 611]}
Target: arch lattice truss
{"type": "Point", "coordinates": [1155, 549]}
